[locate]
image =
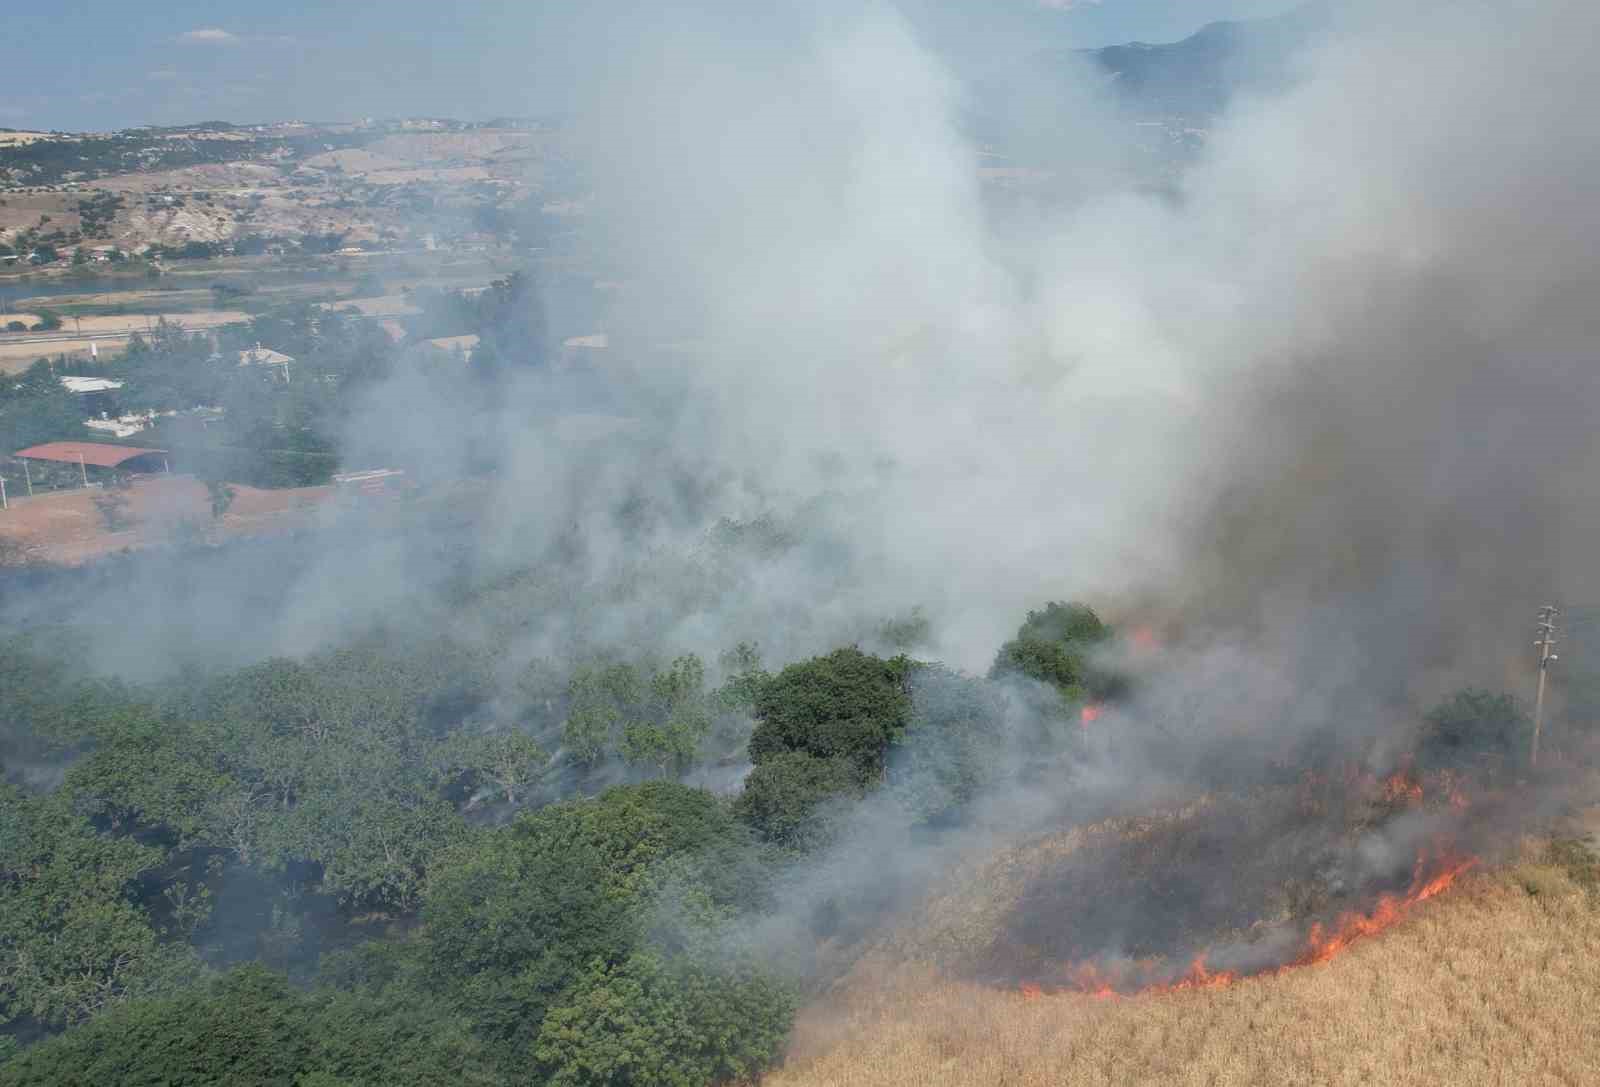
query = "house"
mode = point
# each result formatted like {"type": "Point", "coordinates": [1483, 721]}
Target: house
{"type": "Point", "coordinates": [97, 392]}
{"type": "Point", "coordinates": [466, 344]}
{"type": "Point", "coordinates": [86, 385]}
{"type": "Point", "coordinates": [265, 356]}
{"type": "Point", "coordinates": [373, 481]}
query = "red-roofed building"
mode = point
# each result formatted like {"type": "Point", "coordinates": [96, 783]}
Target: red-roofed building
{"type": "Point", "coordinates": [97, 453]}
{"type": "Point", "coordinates": [131, 458]}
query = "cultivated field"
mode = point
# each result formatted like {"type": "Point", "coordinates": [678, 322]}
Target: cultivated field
{"type": "Point", "coordinates": [1495, 982]}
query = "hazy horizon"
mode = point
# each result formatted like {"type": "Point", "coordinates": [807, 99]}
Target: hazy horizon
{"type": "Point", "coordinates": [85, 70]}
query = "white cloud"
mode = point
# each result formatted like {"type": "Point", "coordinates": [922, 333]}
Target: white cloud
{"type": "Point", "coordinates": [213, 35]}
{"type": "Point", "coordinates": [208, 35]}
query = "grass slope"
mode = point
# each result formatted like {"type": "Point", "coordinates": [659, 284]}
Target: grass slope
{"type": "Point", "coordinates": [1497, 982]}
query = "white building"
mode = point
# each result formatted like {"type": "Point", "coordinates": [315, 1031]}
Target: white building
{"type": "Point", "coordinates": [89, 384]}
{"type": "Point", "coordinates": [265, 356]}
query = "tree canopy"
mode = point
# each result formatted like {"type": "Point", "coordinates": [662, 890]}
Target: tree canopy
{"type": "Point", "coordinates": [847, 705]}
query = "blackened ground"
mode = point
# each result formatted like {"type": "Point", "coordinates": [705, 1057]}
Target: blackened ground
{"type": "Point", "coordinates": [1247, 875]}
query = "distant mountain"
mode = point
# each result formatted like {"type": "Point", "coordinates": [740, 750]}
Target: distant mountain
{"type": "Point", "coordinates": [1199, 75]}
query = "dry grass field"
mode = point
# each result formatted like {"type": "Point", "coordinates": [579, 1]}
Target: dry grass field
{"type": "Point", "coordinates": [111, 332]}
{"type": "Point", "coordinates": [389, 305]}
{"type": "Point", "coordinates": [19, 354]}
{"type": "Point", "coordinates": [1495, 982]}
{"type": "Point", "coordinates": [142, 322]}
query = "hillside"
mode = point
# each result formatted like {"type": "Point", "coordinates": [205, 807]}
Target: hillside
{"type": "Point", "coordinates": [1494, 983]}
{"type": "Point", "coordinates": [371, 183]}
{"type": "Point", "coordinates": [1198, 76]}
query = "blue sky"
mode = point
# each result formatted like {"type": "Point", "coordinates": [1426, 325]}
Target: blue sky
{"type": "Point", "coordinates": [102, 64]}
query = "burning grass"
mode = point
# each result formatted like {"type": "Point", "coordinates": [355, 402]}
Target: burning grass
{"type": "Point", "coordinates": [1496, 982]}
{"type": "Point", "coordinates": [1227, 887]}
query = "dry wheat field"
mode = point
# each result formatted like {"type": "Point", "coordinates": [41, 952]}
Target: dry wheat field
{"type": "Point", "coordinates": [1496, 982]}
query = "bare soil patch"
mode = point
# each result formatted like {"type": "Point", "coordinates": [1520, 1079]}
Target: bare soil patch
{"type": "Point", "coordinates": [66, 528]}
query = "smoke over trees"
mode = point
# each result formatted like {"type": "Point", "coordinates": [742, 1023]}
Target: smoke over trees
{"type": "Point", "coordinates": [497, 777]}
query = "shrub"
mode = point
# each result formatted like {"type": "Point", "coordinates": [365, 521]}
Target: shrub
{"type": "Point", "coordinates": [1473, 723]}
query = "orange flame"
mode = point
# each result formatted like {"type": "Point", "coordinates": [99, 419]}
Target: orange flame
{"type": "Point", "coordinates": [1090, 713]}
{"type": "Point", "coordinates": [1401, 787]}
{"type": "Point", "coordinates": [1322, 944]}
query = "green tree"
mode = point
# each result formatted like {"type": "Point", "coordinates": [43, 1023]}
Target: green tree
{"type": "Point", "coordinates": [741, 667]}
{"type": "Point", "coordinates": [73, 938]}
{"type": "Point", "coordinates": [675, 718]}
{"type": "Point", "coordinates": [513, 917]}
{"type": "Point", "coordinates": [848, 705]}
{"type": "Point", "coordinates": [149, 774]}
{"type": "Point", "coordinates": [35, 407]}
{"type": "Point", "coordinates": [648, 1021]}
{"type": "Point", "coordinates": [511, 762]}
{"type": "Point", "coordinates": [1053, 646]}
{"type": "Point", "coordinates": [782, 796]}
{"type": "Point", "coordinates": [600, 700]}
{"type": "Point", "coordinates": [251, 1027]}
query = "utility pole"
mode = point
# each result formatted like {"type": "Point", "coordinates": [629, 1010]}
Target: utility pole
{"type": "Point", "coordinates": [1546, 646]}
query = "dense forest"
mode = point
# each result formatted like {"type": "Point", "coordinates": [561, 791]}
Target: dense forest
{"type": "Point", "coordinates": [403, 860]}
